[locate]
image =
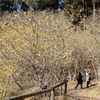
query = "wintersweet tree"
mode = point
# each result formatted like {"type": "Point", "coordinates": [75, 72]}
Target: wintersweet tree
{"type": "Point", "coordinates": [31, 45]}
{"type": "Point", "coordinates": [41, 48]}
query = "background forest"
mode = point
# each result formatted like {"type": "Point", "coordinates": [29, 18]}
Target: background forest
{"type": "Point", "coordinates": [43, 42]}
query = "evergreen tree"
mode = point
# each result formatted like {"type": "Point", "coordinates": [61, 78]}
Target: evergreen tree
{"type": "Point", "coordinates": [46, 4]}
{"type": "Point", "coordinates": [74, 7]}
{"type": "Point", "coordinates": [11, 5]}
{"type": "Point", "coordinates": [7, 5]}
{"type": "Point", "coordinates": [24, 6]}
{"type": "Point", "coordinates": [51, 4]}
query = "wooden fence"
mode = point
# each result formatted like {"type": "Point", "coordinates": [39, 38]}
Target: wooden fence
{"type": "Point", "coordinates": [52, 89]}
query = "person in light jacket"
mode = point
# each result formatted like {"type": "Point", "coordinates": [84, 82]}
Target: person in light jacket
{"type": "Point", "coordinates": [88, 78]}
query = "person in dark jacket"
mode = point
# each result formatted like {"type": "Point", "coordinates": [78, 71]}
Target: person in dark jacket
{"type": "Point", "coordinates": [79, 80]}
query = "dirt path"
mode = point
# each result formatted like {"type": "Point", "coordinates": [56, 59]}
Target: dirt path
{"type": "Point", "coordinates": [91, 93]}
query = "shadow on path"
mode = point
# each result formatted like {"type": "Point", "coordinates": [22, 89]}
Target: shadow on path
{"type": "Point", "coordinates": [82, 94]}
{"type": "Point", "coordinates": [90, 86]}
{"type": "Point", "coordinates": [80, 98]}
{"type": "Point", "coordinates": [93, 85]}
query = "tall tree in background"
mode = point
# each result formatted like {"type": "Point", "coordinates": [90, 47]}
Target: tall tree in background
{"type": "Point", "coordinates": [45, 4]}
{"type": "Point", "coordinates": [80, 8]}
{"type": "Point", "coordinates": [24, 6]}
{"type": "Point", "coordinates": [74, 7]}
{"type": "Point", "coordinates": [94, 2]}
{"type": "Point", "coordinates": [51, 4]}
{"type": "Point", "coordinates": [83, 1]}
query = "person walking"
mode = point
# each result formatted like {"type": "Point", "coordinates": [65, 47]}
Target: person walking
{"type": "Point", "coordinates": [88, 78]}
{"type": "Point", "coordinates": [79, 80]}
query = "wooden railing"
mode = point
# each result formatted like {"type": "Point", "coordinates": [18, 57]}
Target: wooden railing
{"type": "Point", "coordinates": [52, 89]}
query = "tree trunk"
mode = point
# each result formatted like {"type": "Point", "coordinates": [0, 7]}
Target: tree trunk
{"type": "Point", "coordinates": [99, 72]}
{"type": "Point", "coordinates": [93, 12]}
{"type": "Point", "coordinates": [84, 12]}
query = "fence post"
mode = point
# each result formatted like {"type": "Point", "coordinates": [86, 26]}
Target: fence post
{"type": "Point", "coordinates": [60, 90]}
{"type": "Point", "coordinates": [65, 92]}
{"type": "Point", "coordinates": [52, 94]}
